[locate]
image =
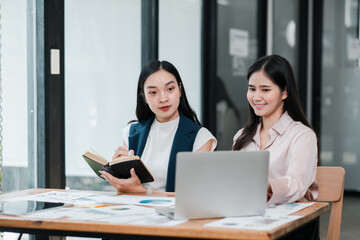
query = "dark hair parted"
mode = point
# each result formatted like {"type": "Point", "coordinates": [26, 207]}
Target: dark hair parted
{"type": "Point", "coordinates": [280, 72]}
{"type": "Point", "coordinates": [143, 112]}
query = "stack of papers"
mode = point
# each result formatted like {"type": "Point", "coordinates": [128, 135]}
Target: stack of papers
{"type": "Point", "coordinates": [141, 210]}
{"type": "Point", "coordinates": [81, 198]}
{"type": "Point", "coordinates": [275, 216]}
{"type": "Point", "coordinates": [86, 206]}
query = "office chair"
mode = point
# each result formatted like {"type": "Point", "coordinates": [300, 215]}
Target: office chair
{"type": "Point", "coordinates": [331, 189]}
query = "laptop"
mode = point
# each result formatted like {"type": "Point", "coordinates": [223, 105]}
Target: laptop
{"type": "Point", "coordinates": [220, 184]}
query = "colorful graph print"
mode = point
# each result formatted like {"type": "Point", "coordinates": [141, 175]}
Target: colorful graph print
{"type": "Point", "coordinates": [120, 208]}
{"type": "Point", "coordinates": [154, 201]}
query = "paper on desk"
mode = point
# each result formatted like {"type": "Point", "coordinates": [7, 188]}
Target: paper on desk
{"type": "Point", "coordinates": [109, 212]}
{"type": "Point", "coordinates": [158, 220]}
{"type": "Point", "coordinates": [88, 197]}
{"type": "Point", "coordinates": [253, 223]}
{"type": "Point", "coordinates": [275, 216]}
{"type": "Point", "coordinates": [146, 200]}
{"type": "Point", "coordinates": [151, 219]}
{"type": "Point", "coordinates": [119, 214]}
{"type": "Point", "coordinates": [131, 199]}
{"type": "Point", "coordinates": [124, 214]}
{"type": "Point", "coordinates": [286, 209]}
{"type": "Point", "coordinates": [127, 219]}
{"type": "Point", "coordinates": [99, 198]}
{"type": "Point", "coordinates": [51, 213]}
{"type": "Point", "coordinates": [95, 214]}
{"type": "Point", "coordinates": [57, 197]}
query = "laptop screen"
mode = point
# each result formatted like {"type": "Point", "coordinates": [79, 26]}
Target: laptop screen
{"type": "Point", "coordinates": [221, 184]}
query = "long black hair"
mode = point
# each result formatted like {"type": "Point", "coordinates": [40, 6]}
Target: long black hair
{"type": "Point", "coordinates": [280, 72]}
{"type": "Point", "coordinates": [143, 112]}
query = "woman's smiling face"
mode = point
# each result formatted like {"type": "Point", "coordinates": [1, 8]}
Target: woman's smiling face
{"type": "Point", "coordinates": [264, 96]}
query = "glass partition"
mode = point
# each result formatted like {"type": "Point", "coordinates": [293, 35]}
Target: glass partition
{"type": "Point", "coordinates": [285, 31]}
{"type": "Point", "coordinates": [180, 44]}
{"type": "Point", "coordinates": [18, 96]}
{"type": "Point", "coordinates": [237, 49]}
{"type": "Point", "coordinates": [102, 65]}
{"type": "Point", "coordinates": [340, 101]}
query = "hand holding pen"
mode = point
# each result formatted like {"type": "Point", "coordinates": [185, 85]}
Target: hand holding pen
{"type": "Point", "coordinates": [122, 152]}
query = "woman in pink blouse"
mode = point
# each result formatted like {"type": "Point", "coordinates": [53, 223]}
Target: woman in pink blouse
{"type": "Point", "coordinates": [278, 124]}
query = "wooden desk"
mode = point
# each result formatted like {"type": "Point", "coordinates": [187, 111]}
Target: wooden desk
{"type": "Point", "coordinates": [191, 229]}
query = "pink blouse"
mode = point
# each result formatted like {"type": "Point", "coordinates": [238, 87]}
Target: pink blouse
{"type": "Point", "coordinates": [293, 160]}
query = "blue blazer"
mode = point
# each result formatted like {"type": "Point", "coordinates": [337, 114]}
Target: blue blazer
{"type": "Point", "coordinates": [183, 142]}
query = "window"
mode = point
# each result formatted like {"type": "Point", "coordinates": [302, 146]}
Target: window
{"type": "Point", "coordinates": [180, 44]}
{"type": "Point", "coordinates": [102, 65]}
{"type": "Point", "coordinates": [237, 49]}
{"type": "Point", "coordinates": [285, 31]}
{"type": "Point", "coordinates": [18, 94]}
{"type": "Point", "coordinates": [339, 134]}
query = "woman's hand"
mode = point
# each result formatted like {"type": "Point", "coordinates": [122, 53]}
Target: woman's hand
{"type": "Point", "coordinates": [122, 152]}
{"type": "Point", "coordinates": [131, 184]}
